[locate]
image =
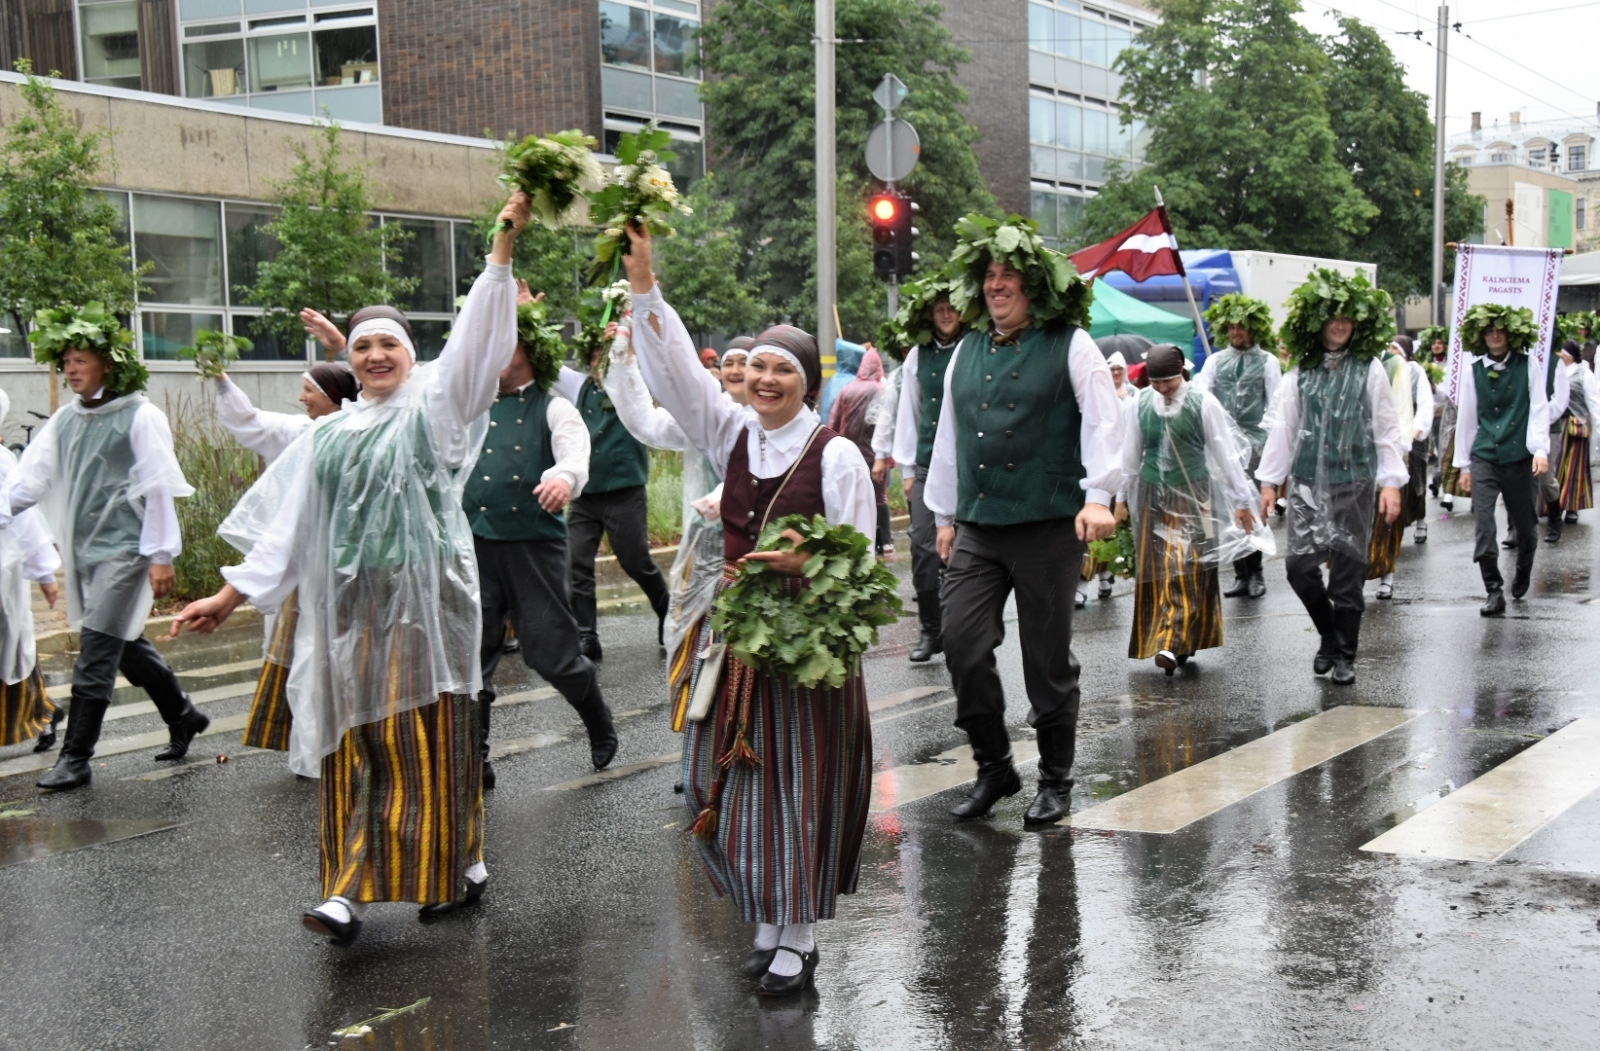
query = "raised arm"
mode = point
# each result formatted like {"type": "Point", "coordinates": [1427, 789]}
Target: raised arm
{"type": "Point", "coordinates": [264, 433]}
{"type": "Point", "coordinates": [625, 386]}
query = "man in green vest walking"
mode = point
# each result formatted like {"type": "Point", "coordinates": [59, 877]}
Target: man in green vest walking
{"type": "Point", "coordinates": [1244, 378]}
{"type": "Point", "coordinates": [534, 459]}
{"type": "Point", "coordinates": [929, 318]}
{"type": "Point", "coordinates": [1502, 440]}
{"type": "Point", "coordinates": [1025, 461]}
{"type": "Point", "coordinates": [615, 503]}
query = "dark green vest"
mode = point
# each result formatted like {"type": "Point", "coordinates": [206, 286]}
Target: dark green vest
{"type": "Point", "coordinates": [931, 362]}
{"type": "Point", "coordinates": [1502, 411]}
{"type": "Point", "coordinates": [517, 452]}
{"type": "Point", "coordinates": [1018, 455]}
{"type": "Point", "coordinates": [1335, 445]}
{"type": "Point", "coordinates": [617, 460]}
{"type": "Point", "coordinates": [1240, 384]}
{"type": "Point", "coordinates": [1174, 446]}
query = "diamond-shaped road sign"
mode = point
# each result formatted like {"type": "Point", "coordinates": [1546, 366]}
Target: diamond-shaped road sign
{"type": "Point", "coordinates": [890, 92]}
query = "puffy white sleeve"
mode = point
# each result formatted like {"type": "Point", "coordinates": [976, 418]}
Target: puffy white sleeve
{"type": "Point", "coordinates": [908, 413]}
{"type": "Point", "coordinates": [40, 562]}
{"type": "Point", "coordinates": [1205, 379]}
{"type": "Point", "coordinates": [266, 434]}
{"type": "Point", "coordinates": [710, 421]}
{"type": "Point", "coordinates": [847, 494]}
{"type": "Point", "coordinates": [1540, 414]}
{"type": "Point", "coordinates": [1283, 426]}
{"type": "Point", "coordinates": [1392, 471]}
{"type": "Point", "coordinates": [1466, 416]}
{"type": "Point", "coordinates": [270, 571]}
{"type": "Point", "coordinates": [480, 346]}
{"type": "Point", "coordinates": [939, 492]}
{"type": "Point", "coordinates": [646, 421]}
{"type": "Point", "coordinates": [1132, 444]}
{"type": "Point", "coordinates": [1272, 374]}
{"type": "Point", "coordinates": [569, 384]}
{"type": "Point", "coordinates": [158, 480]}
{"type": "Point", "coordinates": [36, 468]}
{"type": "Point", "coordinates": [569, 440]}
{"type": "Point", "coordinates": [1224, 452]}
{"type": "Point", "coordinates": [1561, 397]}
{"type": "Point", "coordinates": [1101, 409]}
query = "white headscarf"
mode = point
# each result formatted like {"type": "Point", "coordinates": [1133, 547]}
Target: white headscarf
{"type": "Point", "coordinates": [387, 326]}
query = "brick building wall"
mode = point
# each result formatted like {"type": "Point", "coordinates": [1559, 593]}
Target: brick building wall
{"type": "Point", "coordinates": [515, 67]}
{"type": "Point", "coordinates": [995, 32]}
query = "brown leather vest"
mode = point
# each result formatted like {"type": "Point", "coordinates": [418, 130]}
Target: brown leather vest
{"type": "Point", "coordinates": [745, 498]}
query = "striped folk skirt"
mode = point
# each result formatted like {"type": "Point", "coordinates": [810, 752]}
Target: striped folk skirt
{"type": "Point", "coordinates": [25, 710]}
{"type": "Point", "coordinates": [402, 806]}
{"type": "Point", "coordinates": [1449, 473]}
{"type": "Point", "coordinates": [269, 720]}
{"type": "Point", "coordinates": [1177, 604]}
{"type": "Point", "coordinates": [1573, 471]}
{"type": "Point", "coordinates": [788, 811]}
{"type": "Point", "coordinates": [1383, 551]}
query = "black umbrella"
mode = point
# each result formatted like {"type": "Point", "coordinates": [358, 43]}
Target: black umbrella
{"type": "Point", "coordinates": [1131, 346]}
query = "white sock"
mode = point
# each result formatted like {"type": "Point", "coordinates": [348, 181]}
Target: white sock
{"type": "Point", "coordinates": [1387, 578]}
{"type": "Point", "coordinates": [341, 910]}
{"type": "Point", "coordinates": [795, 936]}
{"type": "Point", "coordinates": [477, 873]}
{"type": "Point", "coordinates": [1083, 596]}
{"type": "Point", "coordinates": [767, 936]}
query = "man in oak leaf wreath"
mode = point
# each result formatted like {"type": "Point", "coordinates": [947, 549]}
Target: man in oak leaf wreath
{"type": "Point", "coordinates": [1025, 461]}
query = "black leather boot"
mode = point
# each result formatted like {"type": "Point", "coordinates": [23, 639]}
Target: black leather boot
{"type": "Point", "coordinates": [661, 607]}
{"type": "Point", "coordinates": [1327, 630]}
{"type": "Point", "coordinates": [1241, 579]}
{"type": "Point", "coordinates": [1056, 747]}
{"type": "Point", "coordinates": [483, 739]}
{"type": "Point", "coordinates": [997, 778]}
{"type": "Point", "coordinates": [596, 716]}
{"type": "Point", "coordinates": [1347, 627]}
{"type": "Point", "coordinates": [185, 729]}
{"type": "Point", "coordinates": [1494, 584]}
{"type": "Point", "coordinates": [83, 730]}
{"type": "Point", "coordinates": [932, 640]}
{"type": "Point", "coordinates": [1552, 535]}
{"type": "Point", "coordinates": [1524, 574]}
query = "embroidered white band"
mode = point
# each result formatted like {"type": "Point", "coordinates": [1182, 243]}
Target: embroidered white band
{"type": "Point", "coordinates": [384, 325]}
{"type": "Point", "coordinates": [768, 348]}
{"type": "Point", "coordinates": [731, 351]}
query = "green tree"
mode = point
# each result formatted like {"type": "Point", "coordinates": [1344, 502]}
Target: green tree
{"type": "Point", "coordinates": [760, 105]}
{"type": "Point", "coordinates": [1240, 140]}
{"type": "Point", "coordinates": [551, 261]}
{"type": "Point", "coordinates": [700, 269]}
{"type": "Point", "coordinates": [59, 240]}
{"type": "Point", "coordinates": [1385, 139]}
{"type": "Point", "coordinates": [332, 255]}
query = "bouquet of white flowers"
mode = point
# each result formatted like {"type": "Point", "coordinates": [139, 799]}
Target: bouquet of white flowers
{"type": "Point", "coordinates": [556, 172]}
{"type": "Point", "coordinates": [640, 190]}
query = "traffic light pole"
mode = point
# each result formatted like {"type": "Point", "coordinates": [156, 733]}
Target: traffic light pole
{"type": "Point", "coordinates": [1436, 300]}
{"type": "Point", "coordinates": [827, 203]}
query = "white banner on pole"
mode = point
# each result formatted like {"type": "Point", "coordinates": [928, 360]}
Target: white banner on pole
{"type": "Point", "coordinates": [1518, 277]}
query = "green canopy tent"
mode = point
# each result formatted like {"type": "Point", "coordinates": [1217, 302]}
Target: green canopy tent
{"type": "Point", "coordinates": [1116, 313]}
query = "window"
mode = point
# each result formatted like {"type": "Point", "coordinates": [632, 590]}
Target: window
{"type": "Point", "coordinates": [1577, 158]}
{"type": "Point", "coordinates": [1580, 218]}
{"type": "Point", "coordinates": [624, 35]}
{"type": "Point", "coordinates": [182, 239]}
{"type": "Point", "coordinates": [1117, 41]}
{"type": "Point", "coordinates": [346, 56]}
{"type": "Point", "coordinates": [248, 246]}
{"type": "Point", "coordinates": [280, 63]}
{"type": "Point", "coordinates": [1095, 131]}
{"type": "Point", "coordinates": [110, 38]}
{"type": "Point", "coordinates": [674, 49]}
{"type": "Point", "coordinates": [1069, 125]}
{"type": "Point", "coordinates": [1069, 35]}
{"type": "Point", "coordinates": [1042, 120]}
{"type": "Point", "coordinates": [163, 334]}
{"type": "Point", "coordinates": [301, 61]}
{"type": "Point", "coordinates": [1044, 213]}
{"type": "Point", "coordinates": [425, 256]}
{"type": "Point", "coordinates": [1041, 28]}
{"type": "Point", "coordinates": [1094, 42]}
{"type": "Point", "coordinates": [213, 68]}
{"type": "Point", "coordinates": [1536, 158]}
{"type": "Point", "coordinates": [1499, 158]}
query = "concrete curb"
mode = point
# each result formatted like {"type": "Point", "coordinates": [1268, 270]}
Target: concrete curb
{"type": "Point", "coordinates": [65, 640]}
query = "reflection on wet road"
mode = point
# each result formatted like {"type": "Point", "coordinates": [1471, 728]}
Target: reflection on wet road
{"type": "Point", "coordinates": [1256, 858]}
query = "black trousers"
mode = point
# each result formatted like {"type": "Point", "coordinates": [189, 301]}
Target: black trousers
{"type": "Point", "coordinates": [525, 582]}
{"type": "Point", "coordinates": [94, 680]}
{"type": "Point", "coordinates": [1039, 561]}
{"type": "Point", "coordinates": [1341, 593]}
{"type": "Point", "coordinates": [623, 516]}
{"type": "Point", "coordinates": [927, 572]}
{"type": "Point", "coordinates": [1519, 486]}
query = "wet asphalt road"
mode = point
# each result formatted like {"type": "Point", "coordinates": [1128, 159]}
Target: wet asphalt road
{"type": "Point", "coordinates": [1263, 925]}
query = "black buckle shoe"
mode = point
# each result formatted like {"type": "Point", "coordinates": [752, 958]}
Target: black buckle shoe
{"type": "Point", "coordinates": [1240, 588]}
{"type": "Point", "coordinates": [988, 791]}
{"type": "Point", "coordinates": [788, 985]}
{"type": "Point", "coordinates": [1520, 582]}
{"type": "Point", "coordinates": [1552, 535]}
{"type": "Point", "coordinates": [601, 752]}
{"type": "Point", "coordinates": [340, 934]}
{"type": "Point", "coordinates": [69, 772]}
{"type": "Point", "coordinates": [1105, 590]}
{"type": "Point", "coordinates": [928, 645]}
{"type": "Point", "coordinates": [755, 965]}
{"type": "Point", "coordinates": [1322, 663]}
{"type": "Point", "coordinates": [445, 908]}
{"type": "Point", "coordinates": [47, 736]}
{"type": "Point", "coordinates": [190, 725]}
{"type": "Point", "coordinates": [1258, 585]}
{"type": "Point", "coordinates": [1344, 671]}
{"type": "Point", "coordinates": [1571, 518]}
{"type": "Point", "coordinates": [1494, 605]}
{"type": "Point", "coordinates": [1049, 805]}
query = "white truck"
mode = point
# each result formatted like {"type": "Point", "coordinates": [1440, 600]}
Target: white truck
{"type": "Point", "coordinates": [1271, 276]}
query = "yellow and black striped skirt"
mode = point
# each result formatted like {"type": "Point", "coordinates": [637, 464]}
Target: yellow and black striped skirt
{"type": "Point", "coordinates": [269, 720]}
{"type": "Point", "coordinates": [1177, 604]}
{"type": "Point", "coordinates": [25, 709]}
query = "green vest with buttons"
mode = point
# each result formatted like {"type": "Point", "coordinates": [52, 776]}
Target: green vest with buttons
{"type": "Point", "coordinates": [1334, 445]}
{"type": "Point", "coordinates": [1174, 446]}
{"type": "Point", "coordinates": [499, 496]}
{"type": "Point", "coordinates": [931, 362]}
{"type": "Point", "coordinates": [1502, 411]}
{"type": "Point", "coordinates": [1018, 430]}
{"type": "Point", "coordinates": [617, 460]}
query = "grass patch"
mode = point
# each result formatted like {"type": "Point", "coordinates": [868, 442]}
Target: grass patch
{"type": "Point", "coordinates": [221, 471]}
{"type": "Point", "coordinates": [666, 497]}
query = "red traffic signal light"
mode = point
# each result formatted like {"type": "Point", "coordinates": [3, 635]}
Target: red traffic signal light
{"type": "Point", "coordinates": [885, 208]}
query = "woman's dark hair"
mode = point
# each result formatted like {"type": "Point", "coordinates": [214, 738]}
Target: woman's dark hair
{"type": "Point", "coordinates": [336, 381]}
{"type": "Point", "coordinates": [367, 313]}
{"type": "Point", "coordinates": [743, 343]}
{"type": "Point", "coordinates": [803, 345]}
{"type": "Point", "coordinates": [1571, 347]}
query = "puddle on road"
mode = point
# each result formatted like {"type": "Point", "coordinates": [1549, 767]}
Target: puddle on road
{"type": "Point", "coordinates": [30, 838]}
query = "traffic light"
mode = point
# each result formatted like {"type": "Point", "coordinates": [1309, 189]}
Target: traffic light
{"type": "Point", "coordinates": [892, 233]}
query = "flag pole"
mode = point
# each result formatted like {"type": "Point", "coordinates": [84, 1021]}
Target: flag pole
{"type": "Point", "coordinates": [1199, 321]}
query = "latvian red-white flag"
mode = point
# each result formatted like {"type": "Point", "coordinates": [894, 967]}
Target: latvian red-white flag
{"type": "Point", "coordinates": [1145, 249]}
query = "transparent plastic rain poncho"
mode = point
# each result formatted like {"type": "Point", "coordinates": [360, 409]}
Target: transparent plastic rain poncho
{"type": "Point", "coordinates": [697, 566]}
{"type": "Point", "coordinates": [24, 547]}
{"type": "Point", "coordinates": [92, 486]}
{"type": "Point", "coordinates": [362, 514]}
{"type": "Point", "coordinates": [1238, 379]}
{"type": "Point", "coordinates": [1184, 464]}
{"type": "Point", "coordinates": [1341, 441]}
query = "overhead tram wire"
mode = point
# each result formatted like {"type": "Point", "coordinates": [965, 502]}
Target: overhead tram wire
{"type": "Point", "coordinates": [1530, 14]}
{"type": "Point", "coordinates": [1508, 58]}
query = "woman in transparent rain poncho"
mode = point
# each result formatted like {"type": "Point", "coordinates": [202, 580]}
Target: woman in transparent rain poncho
{"type": "Point", "coordinates": [324, 389]}
{"type": "Point", "coordinates": [778, 786]}
{"type": "Point", "coordinates": [1383, 550]}
{"type": "Point", "coordinates": [363, 515]}
{"type": "Point", "coordinates": [26, 555]}
{"type": "Point", "coordinates": [1191, 503]}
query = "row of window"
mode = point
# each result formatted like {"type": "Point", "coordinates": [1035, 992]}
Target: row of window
{"type": "Point", "coordinates": [1073, 126]}
{"type": "Point", "coordinates": [1062, 30]}
{"type": "Point", "coordinates": [1057, 214]}
{"type": "Point", "coordinates": [651, 39]}
{"type": "Point", "coordinates": [202, 251]}
{"type": "Point", "coordinates": [1577, 158]}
